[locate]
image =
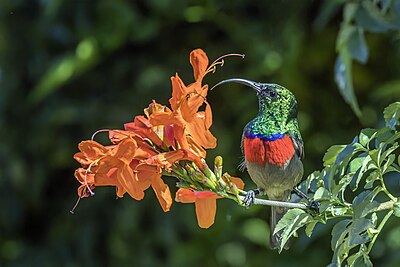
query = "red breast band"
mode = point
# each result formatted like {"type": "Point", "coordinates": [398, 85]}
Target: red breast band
{"type": "Point", "coordinates": [276, 152]}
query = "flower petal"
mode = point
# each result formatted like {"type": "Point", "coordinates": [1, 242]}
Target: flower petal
{"type": "Point", "coordinates": [179, 91]}
{"type": "Point", "coordinates": [126, 150]}
{"type": "Point", "coordinates": [143, 127]}
{"type": "Point", "coordinates": [205, 211]}
{"type": "Point", "coordinates": [162, 192]}
{"type": "Point", "coordinates": [90, 151]}
{"type": "Point", "coordinates": [238, 182]}
{"type": "Point", "coordinates": [201, 135]}
{"type": "Point", "coordinates": [128, 180]}
{"type": "Point", "coordinates": [199, 61]}
{"type": "Point", "coordinates": [184, 195]}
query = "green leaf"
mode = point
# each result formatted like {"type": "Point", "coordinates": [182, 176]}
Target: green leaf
{"type": "Point", "coordinates": [363, 261]}
{"type": "Point", "coordinates": [290, 222]}
{"type": "Point", "coordinates": [344, 35]}
{"type": "Point", "coordinates": [288, 219]}
{"type": "Point", "coordinates": [392, 115]}
{"type": "Point", "coordinates": [360, 225]}
{"type": "Point", "coordinates": [369, 208]}
{"type": "Point", "coordinates": [338, 231]}
{"type": "Point", "coordinates": [365, 136]}
{"type": "Point", "coordinates": [331, 154]}
{"type": "Point", "coordinates": [387, 153]}
{"type": "Point", "coordinates": [396, 209]}
{"type": "Point", "coordinates": [357, 46]}
{"type": "Point", "coordinates": [310, 227]}
{"type": "Point", "coordinates": [362, 200]}
{"type": "Point", "coordinates": [356, 163]}
{"type": "Point", "coordinates": [371, 178]}
{"type": "Point", "coordinates": [344, 80]}
{"type": "Point", "coordinates": [339, 211]}
{"type": "Point", "coordinates": [321, 193]}
{"type": "Point", "coordinates": [387, 164]}
{"type": "Point", "coordinates": [370, 18]}
{"type": "Point", "coordinates": [383, 136]}
{"type": "Point", "coordinates": [366, 165]}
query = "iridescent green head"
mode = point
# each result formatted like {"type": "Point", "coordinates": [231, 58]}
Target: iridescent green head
{"type": "Point", "coordinates": [277, 108]}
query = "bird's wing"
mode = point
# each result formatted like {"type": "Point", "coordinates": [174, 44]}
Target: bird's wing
{"type": "Point", "coordinates": [298, 146]}
{"type": "Point", "coordinates": [242, 164]}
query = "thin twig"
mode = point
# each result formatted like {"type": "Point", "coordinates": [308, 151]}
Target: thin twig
{"type": "Point", "coordinates": [258, 201]}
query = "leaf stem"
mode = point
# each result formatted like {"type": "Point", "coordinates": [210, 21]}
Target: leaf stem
{"type": "Point", "coordinates": [384, 220]}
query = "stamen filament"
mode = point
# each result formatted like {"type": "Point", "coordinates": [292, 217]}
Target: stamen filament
{"type": "Point", "coordinates": [99, 131]}
{"type": "Point", "coordinates": [220, 61]}
{"type": "Point", "coordinates": [76, 205]}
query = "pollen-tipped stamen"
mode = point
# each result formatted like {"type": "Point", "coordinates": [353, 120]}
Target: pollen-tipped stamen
{"type": "Point", "coordinates": [220, 61]}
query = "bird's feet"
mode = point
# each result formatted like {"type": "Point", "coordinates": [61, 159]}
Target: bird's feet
{"type": "Point", "coordinates": [312, 204]}
{"type": "Point", "coordinates": [250, 197]}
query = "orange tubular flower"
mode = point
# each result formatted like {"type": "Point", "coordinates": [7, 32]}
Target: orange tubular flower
{"type": "Point", "coordinates": [185, 102]}
{"type": "Point", "coordinates": [155, 144]}
{"type": "Point", "coordinates": [205, 202]}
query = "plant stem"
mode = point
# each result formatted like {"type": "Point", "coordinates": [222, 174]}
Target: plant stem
{"type": "Point", "coordinates": [384, 185]}
{"type": "Point", "coordinates": [384, 220]}
{"type": "Point", "coordinates": [258, 201]}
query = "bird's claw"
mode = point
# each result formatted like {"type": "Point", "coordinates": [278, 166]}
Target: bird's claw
{"type": "Point", "coordinates": [313, 205]}
{"type": "Point", "coordinates": [249, 198]}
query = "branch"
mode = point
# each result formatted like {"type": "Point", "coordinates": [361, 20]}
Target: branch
{"type": "Point", "coordinates": [258, 201]}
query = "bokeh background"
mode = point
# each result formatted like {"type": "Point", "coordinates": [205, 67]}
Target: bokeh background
{"type": "Point", "coordinates": [68, 68]}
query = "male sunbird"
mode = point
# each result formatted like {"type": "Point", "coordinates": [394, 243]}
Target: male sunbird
{"type": "Point", "coordinates": [272, 148]}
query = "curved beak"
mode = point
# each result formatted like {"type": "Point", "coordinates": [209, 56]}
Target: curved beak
{"type": "Point", "coordinates": [255, 85]}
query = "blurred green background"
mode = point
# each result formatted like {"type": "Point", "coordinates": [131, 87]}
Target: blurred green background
{"type": "Point", "coordinates": [68, 68]}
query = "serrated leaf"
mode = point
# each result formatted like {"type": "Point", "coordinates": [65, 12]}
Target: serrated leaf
{"type": "Point", "coordinates": [363, 261]}
{"type": "Point", "coordinates": [371, 178]}
{"type": "Point", "coordinates": [358, 239]}
{"type": "Point", "coordinates": [299, 222]}
{"type": "Point", "coordinates": [331, 154]}
{"type": "Point", "coordinates": [366, 165]}
{"type": "Point", "coordinates": [387, 153]}
{"type": "Point", "coordinates": [337, 231]}
{"type": "Point", "coordinates": [288, 219]}
{"type": "Point", "coordinates": [360, 225]}
{"type": "Point", "coordinates": [356, 163]}
{"type": "Point", "coordinates": [348, 150]}
{"type": "Point", "coordinates": [352, 258]}
{"type": "Point", "coordinates": [369, 208]}
{"type": "Point", "coordinates": [361, 201]}
{"type": "Point", "coordinates": [392, 114]}
{"type": "Point", "coordinates": [383, 136]}
{"type": "Point", "coordinates": [375, 155]}
{"type": "Point", "coordinates": [365, 136]}
{"type": "Point", "coordinates": [290, 223]}
{"type": "Point", "coordinates": [387, 164]}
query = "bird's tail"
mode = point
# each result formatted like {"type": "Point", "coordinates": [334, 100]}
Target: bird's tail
{"type": "Point", "coordinates": [276, 214]}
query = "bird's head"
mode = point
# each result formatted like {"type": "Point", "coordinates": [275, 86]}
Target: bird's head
{"type": "Point", "coordinates": [272, 98]}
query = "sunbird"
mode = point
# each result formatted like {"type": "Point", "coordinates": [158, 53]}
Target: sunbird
{"type": "Point", "coordinates": [273, 148]}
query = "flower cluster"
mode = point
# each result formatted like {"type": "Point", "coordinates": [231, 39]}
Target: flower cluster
{"type": "Point", "coordinates": [163, 142]}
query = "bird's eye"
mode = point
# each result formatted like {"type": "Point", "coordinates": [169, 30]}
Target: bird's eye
{"type": "Point", "coordinates": [272, 94]}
